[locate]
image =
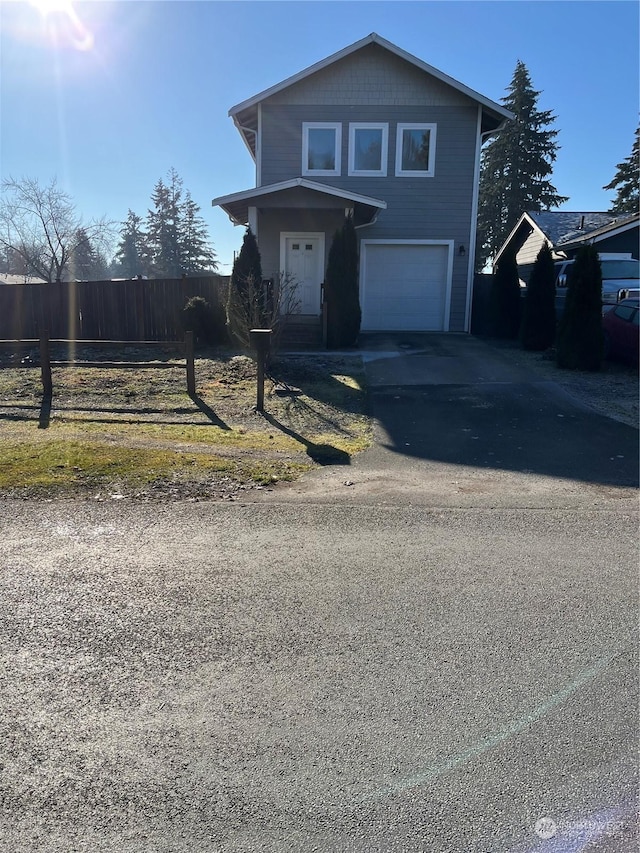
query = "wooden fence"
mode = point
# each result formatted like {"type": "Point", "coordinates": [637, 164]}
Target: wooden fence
{"type": "Point", "coordinates": [135, 310]}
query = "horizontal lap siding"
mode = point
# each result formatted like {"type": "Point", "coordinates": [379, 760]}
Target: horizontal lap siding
{"type": "Point", "coordinates": [377, 86]}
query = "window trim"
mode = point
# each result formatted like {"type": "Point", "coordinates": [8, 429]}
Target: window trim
{"type": "Point", "coordinates": [416, 173]}
{"type": "Point", "coordinates": [321, 125]}
{"type": "Point", "coordinates": [384, 153]}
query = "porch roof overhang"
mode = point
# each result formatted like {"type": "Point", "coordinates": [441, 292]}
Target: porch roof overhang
{"type": "Point", "coordinates": [300, 193]}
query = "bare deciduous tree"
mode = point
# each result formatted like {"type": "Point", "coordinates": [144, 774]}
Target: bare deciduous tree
{"type": "Point", "coordinates": [252, 304]}
{"type": "Point", "coordinates": [40, 226]}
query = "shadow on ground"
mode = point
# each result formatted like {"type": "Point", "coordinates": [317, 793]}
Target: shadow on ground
{"type": "Point", "coordinates": [458, 401]}
{"type": "Point", "coordinates": [322, 454]}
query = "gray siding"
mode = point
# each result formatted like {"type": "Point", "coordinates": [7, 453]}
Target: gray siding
{"type": "Point", "coordinates": [374, 85]}
{"type": "Point", "coordinates": [373, 76]}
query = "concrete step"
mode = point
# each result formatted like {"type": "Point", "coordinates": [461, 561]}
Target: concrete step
{"type": "Point", "coordinates": [303, 336]}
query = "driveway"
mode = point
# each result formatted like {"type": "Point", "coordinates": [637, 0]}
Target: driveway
{"type": "Point", "coordinates": [457, 424]}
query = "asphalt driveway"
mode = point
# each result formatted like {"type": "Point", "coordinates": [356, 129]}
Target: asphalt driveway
{"type": "Point", "coordinates": [457, 423]}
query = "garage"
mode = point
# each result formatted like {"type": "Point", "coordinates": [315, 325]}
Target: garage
{"type": "Point", "coordinates": [405, 285]}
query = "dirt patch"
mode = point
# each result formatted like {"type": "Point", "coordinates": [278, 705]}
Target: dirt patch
{"type": "Point", "coordinates": [112, 432]}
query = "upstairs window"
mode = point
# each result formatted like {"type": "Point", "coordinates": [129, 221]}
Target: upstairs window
{"type": "Point", "coordinates": [368, 144]}
{"type": "Point", "coordinates": [321, 148]}
{"type": "Point", "coordinates": [416, 150]}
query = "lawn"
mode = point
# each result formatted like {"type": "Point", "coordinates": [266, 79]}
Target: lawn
{"type": "Point", "coordinates": [114, 432]}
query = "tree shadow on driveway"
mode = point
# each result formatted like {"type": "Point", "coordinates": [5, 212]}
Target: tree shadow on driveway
{"type": "Point", "coordinates": [531, 427]}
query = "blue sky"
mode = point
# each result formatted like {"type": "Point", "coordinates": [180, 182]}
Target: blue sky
{"type": "Point", "coordinates": [139, 87]}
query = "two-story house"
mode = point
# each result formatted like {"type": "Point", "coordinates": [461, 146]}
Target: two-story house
{"type": "Point", "coordinates": [374, 131]}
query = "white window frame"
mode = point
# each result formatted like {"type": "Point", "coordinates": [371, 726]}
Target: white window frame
{"type": "Point", "coordinates": [384, 153]}
{"type": "Point", "coordinates": [321, 125]}
{"type": "Point", "coordinates": [416, 173]}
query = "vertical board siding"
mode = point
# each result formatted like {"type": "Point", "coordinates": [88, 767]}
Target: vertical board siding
{"type": "Point", "coordinates": [136, 310]}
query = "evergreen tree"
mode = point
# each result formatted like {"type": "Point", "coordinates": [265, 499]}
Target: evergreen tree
{"type": "Point", "coordinates": [538, 329]}
{"type": "Point", "coordinates": [197, 254]}
{"type": "Point", "coordinates": [515, 167]}
{"type": "Point", "coordinates": [246, 308]}
{"type": "Point", "coordinates": [132, 254]}
{"type": "Point", "coordinates": [86, 261]}
{"type": "Point", "coordinates": [341, 287]}
{"type": "Point", "coordinates": [626, 182]}
{"type": "Point", "coordinates": [163, 227]}
{"type": "Point", "coordinates": [505, 298]}
{"type": "Point", "coordinates": [580, 339]}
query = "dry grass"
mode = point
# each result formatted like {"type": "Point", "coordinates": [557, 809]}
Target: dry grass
{"type": "Point", "coordinates": [137, 432]}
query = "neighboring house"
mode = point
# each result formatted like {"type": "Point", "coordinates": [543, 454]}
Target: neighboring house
{"type": "Point", "coordinates": [374, 131]}
{"type": "Point", "coordinates": [565, 232]}
{"type": "Point", "coordinates": [11, 278]}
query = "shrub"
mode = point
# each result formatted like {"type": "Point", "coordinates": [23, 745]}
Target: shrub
{"type": "Point", "coordinates": [538, 330]}
{"type": "Point", "coordinates": [206, 323]}
{"type": "Point", "coordinates": [246, 298]}
{"type": "Point", "coordinates": [505, 298]}
{"type": "Point", "coordinates": [342, 289]}
{"type": "Point", "coordinates": [580, 340]}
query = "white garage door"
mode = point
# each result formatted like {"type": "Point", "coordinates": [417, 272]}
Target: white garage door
{"type": "Point", "coordinates": [404, 286]}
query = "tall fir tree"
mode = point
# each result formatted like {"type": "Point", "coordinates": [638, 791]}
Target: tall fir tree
{"type": "Point", "coordinates": [626, 182]}
{"type": "Point", "coordinates": [516, 166]}
{"type": "Point", "coordinates": [171, 242]}
{"type": "Point", "coordinates": [132, 254]}
{"type": "Point", "coordinates": [163, 227]}
{"type": "Point", "coordinates": [197, 254]}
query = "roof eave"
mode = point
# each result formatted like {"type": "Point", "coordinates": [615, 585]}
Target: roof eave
{"type": "Point", "coordinates": [227, 202]}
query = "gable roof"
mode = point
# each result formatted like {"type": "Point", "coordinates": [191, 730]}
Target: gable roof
{"type": "Point", "coordinates": [618, 225]}
{"type": "Point", "coordinates": [244, 114]}
{"type": "Point", "coordinates": [555, 226]}
{"type": "Point", "coordinates": [561, 225]}
{"type": "Point", "coordinates": [236, 205]}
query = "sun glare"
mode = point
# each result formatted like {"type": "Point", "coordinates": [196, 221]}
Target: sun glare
{"type": "Point", "coordinates": [63, 23]}
{"type": "Point", "coordinates": [46, 6]}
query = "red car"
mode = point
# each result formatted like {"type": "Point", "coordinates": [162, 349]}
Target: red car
{"type": "Point", "coordinates": [621, 327]}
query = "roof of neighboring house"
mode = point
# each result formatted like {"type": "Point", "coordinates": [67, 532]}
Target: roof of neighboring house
{"type": "Point", "coordinates": [556, 226]}
{"type": "Point", "coordinates": [245, 114]}
{"type": "Point", "coordinates": [236, 205]}
{"type": "Point", "coordinates": [616, 226]}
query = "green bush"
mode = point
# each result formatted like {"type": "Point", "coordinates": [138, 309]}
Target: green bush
{"type": "Point", "coordinates": [538, 330]}
{"type": "Point", "coordinates": [206, 323]}
{"type": "Point", "coordinates": [246, 306]}
{"type": "Point", "coordinates": [580, 342]}
{"type": "Point", "coordinates": [341, 288]}
{"type": "Point", "coordinates": [505, 298]}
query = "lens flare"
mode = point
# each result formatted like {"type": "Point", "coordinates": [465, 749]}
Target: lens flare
{"type": "Point", "coordinates": [63, 24]}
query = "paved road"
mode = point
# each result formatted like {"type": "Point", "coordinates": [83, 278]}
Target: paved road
{"type": "Point", "coordinates": [373, 667]}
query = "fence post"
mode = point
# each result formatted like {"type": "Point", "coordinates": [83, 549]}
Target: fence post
{"type": "Point", "coordinates": [45, 364]}
{"type": "Point", "coordinates": [191, 368]}
{"type": "Point", "coordinates": [260, 340]}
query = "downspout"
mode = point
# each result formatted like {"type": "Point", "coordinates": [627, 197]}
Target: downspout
{"type": "Point", "coordinates": [473, 224]}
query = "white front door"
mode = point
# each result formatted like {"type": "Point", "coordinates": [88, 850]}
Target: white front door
{"type": "Point", "coordinates": [304, 267]}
